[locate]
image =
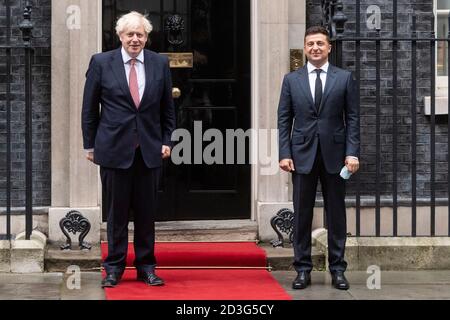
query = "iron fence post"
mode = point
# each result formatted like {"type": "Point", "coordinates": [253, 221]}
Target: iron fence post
{"type": "Point", "coordinates": [26, 27]}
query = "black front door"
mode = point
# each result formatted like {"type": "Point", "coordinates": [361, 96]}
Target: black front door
{"type": "Point", "coordinates": [212, 90]}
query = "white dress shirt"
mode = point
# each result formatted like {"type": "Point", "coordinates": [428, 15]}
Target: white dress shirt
{"type": "Point", "coordinates": [312, 75]}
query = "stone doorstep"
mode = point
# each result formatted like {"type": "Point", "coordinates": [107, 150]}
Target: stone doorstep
{"type": "Point", "coordinates": [281, 258]}
{"type": "Point", "coordinates": [214, 230]}
{"type": "Point", "coordinates": [5, 256]}
{"type": "Point", "coordinates": [27, 256]}
{"type": "Point", "coordinates": [207, 230]}
{"type": "Point", "coordinates": [394, 253]}
{"type": "Point", "coordinates": [202, 230]}
{"type": "Point", "coordinates": [57, 260]}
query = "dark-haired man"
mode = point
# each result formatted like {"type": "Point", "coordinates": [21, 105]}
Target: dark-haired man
{"type": "Point", "coordinates": [318, 122]}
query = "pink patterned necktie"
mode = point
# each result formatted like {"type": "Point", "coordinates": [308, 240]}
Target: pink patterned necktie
{"type": "Point", "coordinates": [134, 88]}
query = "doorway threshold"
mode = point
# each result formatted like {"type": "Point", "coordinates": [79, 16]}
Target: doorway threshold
{"type": "Point", "coordinates": [200, 231]}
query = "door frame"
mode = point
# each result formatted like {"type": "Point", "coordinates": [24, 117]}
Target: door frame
{"type": "Point", "coordinates": [254, 92]}
{"type": "Point", "coordinates": [254, 32]}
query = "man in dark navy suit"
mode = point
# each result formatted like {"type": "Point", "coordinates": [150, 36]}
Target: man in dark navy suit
{"type": "Point", "coordinates": [318, 122]}
{"type": "Point", "coordinates": [128, 138]}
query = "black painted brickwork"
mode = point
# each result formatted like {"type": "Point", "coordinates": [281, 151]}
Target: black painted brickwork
{"type": "Point", "coordinates": [41, 17]}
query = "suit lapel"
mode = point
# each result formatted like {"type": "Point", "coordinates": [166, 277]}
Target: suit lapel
{"type": "Point", "coordinates": [149, 76]}
{"type": "Point", "coordinates": [331, 80]}
{"type": "Point", "coordinates": [304, 85]}
{"type": "Point", "coordinates": [118, 68]}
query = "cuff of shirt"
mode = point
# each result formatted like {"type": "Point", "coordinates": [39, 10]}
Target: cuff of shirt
{"type": "Point", "coordinates": [89, 150]}
{"type": "Point", "coordinates": [356, 158]}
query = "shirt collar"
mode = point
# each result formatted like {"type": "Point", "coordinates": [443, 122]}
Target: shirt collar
{"type": "Point", "coordinates": [126, 57]}
{"type": "Point", "coordinates": [311, 68]}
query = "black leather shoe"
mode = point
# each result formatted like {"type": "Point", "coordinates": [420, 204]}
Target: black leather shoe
{"type": "Point", "coordinates": [339, 281]}
{"type": "Point", "coordinates": [111, 280]}
{"type": "Point", "coordinates": [302, 281]}
{"type": "Point", "coordinates": [150, 278]}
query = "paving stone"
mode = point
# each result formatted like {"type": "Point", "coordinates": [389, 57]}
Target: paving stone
{"type": "Point", "coordinates": [395, 285]}
{"type": "Point", "coordinates": [31, 278]}
{"type": "Point", "coordinates": [423, 285]}
{"type": "Point", "coordinates": [403, 277]}
{"type": "Point", "coordinates": [90, 288]}
{"type": "Point", "coordinates": [30, 291]}
{"type": "Point", "coordinates": [402, 292]}
{"type": "Point", "coordinates": [320, 288]}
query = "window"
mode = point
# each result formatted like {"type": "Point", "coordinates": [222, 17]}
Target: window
{"type": "Point", "coordinates": [442, 13]}
{"type": "Point", "coordinates": [443, 10]}
{"type": "Point", "coordinates": [442, 48]}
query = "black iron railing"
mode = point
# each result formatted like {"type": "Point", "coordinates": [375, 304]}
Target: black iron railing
{"type": "Point", "coordinates": [26, 27]}
{"type": "Point", "coordinates": [334, 19]}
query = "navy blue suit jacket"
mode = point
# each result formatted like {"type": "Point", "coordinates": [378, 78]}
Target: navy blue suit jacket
{"type": "Point", "coordinates": [115, 129]}
{"type": "Point", "coordinates": [336, 124]}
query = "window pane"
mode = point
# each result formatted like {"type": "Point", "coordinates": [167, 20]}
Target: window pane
{"type": "Point", "coordinates": [443, 4]}
{"type": "Point", "coordinates": [442, 46]}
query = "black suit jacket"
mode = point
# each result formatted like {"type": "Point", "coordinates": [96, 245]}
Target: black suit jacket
{"type": "Point", "coordinates": [114, 131]}
{"type": "Point", "coordinates": [336, 124]}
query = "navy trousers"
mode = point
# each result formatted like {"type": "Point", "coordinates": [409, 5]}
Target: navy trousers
{"type": "Point", "coordinates": [304, 196]}
{"type": "Point", "coordinates": [134, 189]}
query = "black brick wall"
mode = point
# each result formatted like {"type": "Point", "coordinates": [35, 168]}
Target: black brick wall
{"type": "Point", "coordinates": [41, 17]}
{"type": "Point", "coordinates": [424, 11]}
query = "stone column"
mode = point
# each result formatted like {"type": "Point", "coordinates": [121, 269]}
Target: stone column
{"type": "Point", "coordinates": [76, 34]}
{"type": "Point", "coordinates": [271, 63]}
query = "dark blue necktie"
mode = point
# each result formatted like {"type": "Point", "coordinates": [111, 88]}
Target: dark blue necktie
{"type": "Point", "coordinates": [318, 90]}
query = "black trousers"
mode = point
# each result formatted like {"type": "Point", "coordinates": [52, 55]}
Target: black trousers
{"type": "Point", "coordinates": [333, 190]}
{"type": "Point", "coordinates": [124, 189]}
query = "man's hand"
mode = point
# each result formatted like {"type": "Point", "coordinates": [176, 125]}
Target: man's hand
{"type": "Point", "coordinates": [165, 152]}
{"type": "Point", "coordinates": [90, 156]}
{"type": "Point", "coordinates": [352, 164]}
{"type": "Point", "coordinates": [287, 165]}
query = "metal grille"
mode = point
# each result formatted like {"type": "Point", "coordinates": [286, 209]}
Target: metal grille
{"type": "Point", "coordinates": [26, 27]}
{"type": "Point", "coordinates": [416, 44]}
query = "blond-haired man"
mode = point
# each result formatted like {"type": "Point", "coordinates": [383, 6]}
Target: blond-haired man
{"type": "Point", "coordinates": [128, 139]}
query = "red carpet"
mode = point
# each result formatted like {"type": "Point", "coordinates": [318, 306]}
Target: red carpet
{"type": "Point", "coordinates": [203, 254]}
{"type": "Point", "coordinates": [203, 284]}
